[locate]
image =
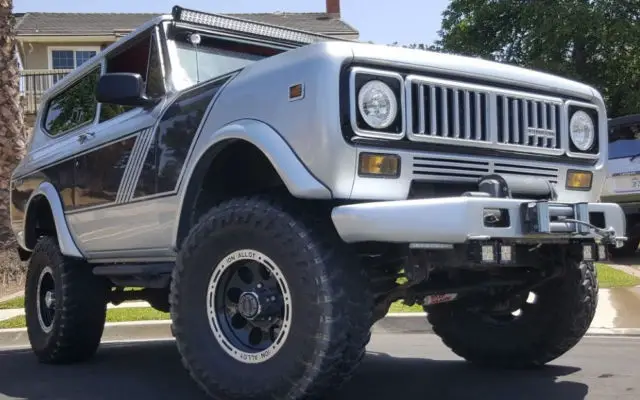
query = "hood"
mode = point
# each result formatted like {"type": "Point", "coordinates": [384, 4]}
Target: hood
{"type": "Point", "coordinates": [471, 67]}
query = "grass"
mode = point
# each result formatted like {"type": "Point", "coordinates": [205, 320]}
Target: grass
{"type": "Point", "coordinates": [17, 302]}
{"type": "Point", "coordinates": [608, 277]}
{"type": "Point", "coordinates": [113, 315]}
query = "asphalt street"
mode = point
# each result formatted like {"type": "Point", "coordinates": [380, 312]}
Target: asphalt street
{"type": "Point", "coordinates": [406, 366]}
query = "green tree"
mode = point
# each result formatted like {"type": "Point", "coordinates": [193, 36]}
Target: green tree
{"type": "Point", "coordinates": [594, 41]}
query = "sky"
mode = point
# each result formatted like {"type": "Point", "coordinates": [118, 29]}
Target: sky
{"type": "Point", "coordinates": [384, 22]}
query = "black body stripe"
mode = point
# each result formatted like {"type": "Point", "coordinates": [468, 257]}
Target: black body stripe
{"type": "Point", "coordinates": [98, 173]}
{"type": "Point", "coordinates": [60, 175]}
{"type": "Point", "coordinates": [92, 178]}
{"type": "Point", "coordinates": [87, 179]}
{"type": "Point", "coordinates": [173, 138]}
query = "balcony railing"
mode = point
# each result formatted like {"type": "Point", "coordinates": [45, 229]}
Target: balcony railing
{"type": "Point", "coordinates": [33, 84]}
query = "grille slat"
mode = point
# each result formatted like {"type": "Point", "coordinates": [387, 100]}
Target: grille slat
{"type": "Point", "coordinates": [448, 111]}
{"type": "Point", "coordinates": [456, 168]}
{"type": "Point", "coordinates": [467, 115]}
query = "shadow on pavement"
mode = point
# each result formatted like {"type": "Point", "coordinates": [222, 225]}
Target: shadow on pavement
{"type": "Point", "coordinates": [153, 371]}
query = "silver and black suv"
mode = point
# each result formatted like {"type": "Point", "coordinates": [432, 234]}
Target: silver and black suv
{"type": "Point", "coordinates": [269, 187]}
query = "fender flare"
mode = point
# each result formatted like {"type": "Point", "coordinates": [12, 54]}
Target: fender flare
{"type": "Point", "coordinates": [65, 240]}
{"type": "Point", "coordinates": [298, 180]}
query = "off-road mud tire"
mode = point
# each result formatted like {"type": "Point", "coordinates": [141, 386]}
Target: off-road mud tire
{"type": "Point", "coordinates": [566, 308]}
{"type": "Point", "coordinates": [81, 305]}
{"type": "Point", "coordinates": [331, 304]}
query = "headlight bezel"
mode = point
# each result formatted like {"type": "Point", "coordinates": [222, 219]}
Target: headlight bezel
{"type": "Point", "coordinates": [359, 76]}
{"type": "Point", "coordinates": [592, 110]}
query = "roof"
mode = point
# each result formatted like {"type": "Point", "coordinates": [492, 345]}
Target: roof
{"type": "Point", "coordinates": [98, 24]}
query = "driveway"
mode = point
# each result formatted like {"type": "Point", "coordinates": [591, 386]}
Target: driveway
{"type": "Point", "coordinates": [398, 366]}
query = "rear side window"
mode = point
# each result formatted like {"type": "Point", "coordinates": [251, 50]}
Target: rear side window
{"type": "Point", "coordinates": [74, 107]}
{"type": "Point", "coordinates": [624, 148]}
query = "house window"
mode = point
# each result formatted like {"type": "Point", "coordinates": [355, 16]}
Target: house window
{"type": "Point", "coordinates": [70, 58]}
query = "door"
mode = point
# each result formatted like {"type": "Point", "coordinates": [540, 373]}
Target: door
{"type": "Point", "coordinates": [105, 220]}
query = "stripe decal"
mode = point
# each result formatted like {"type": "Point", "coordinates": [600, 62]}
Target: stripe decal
{"type": "Point", "coordinates": [125, 192]}
{"type": "Point", "coordinates": [127, 170]}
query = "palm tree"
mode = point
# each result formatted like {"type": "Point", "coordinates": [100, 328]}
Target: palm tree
{"type": "Point", "coordinates": [12, 147]}
{"type": "Point", "coordinates": [12, 130]}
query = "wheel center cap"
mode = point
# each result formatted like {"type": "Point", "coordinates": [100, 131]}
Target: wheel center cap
{"type": "Point", "coordinates": [49, 299]}
{"type": "Point", "coordinates": [249, 305]}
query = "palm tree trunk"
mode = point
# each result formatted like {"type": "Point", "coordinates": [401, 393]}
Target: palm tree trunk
{"type": "Point", "coordinates": [12, 130]}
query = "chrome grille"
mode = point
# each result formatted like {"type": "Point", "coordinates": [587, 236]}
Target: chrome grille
{"type": "Point", "coordinates": [440, 167]}
{"type": "Point", "coordinates": [528, 122]}
{"type": "Point", "coordinates": [446, 111]}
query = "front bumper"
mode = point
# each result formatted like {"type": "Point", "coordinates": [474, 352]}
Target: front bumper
{"type": "Point", "coordinates": [455, 220]}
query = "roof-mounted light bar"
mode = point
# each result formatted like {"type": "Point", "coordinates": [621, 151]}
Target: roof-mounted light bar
{"type": "Point", "coordinates": [229, 23]}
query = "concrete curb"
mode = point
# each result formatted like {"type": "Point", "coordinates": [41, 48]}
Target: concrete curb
{"type": "Point", "coordinates": [136, 331]}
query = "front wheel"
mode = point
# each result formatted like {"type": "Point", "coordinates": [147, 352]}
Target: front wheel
{"type": "Point", "coordinates": [267, 302]}
{"type": "Point", "coordinates": [547, 324]}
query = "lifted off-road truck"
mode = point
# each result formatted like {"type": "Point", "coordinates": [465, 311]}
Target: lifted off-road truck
{"type": "Point", "coordinates": [269, 187]}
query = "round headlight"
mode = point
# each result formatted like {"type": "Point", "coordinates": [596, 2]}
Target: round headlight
{"type": "Point", "coordinates": [581, 130]}
{"type": "Point", "coordinates": [378, 105]}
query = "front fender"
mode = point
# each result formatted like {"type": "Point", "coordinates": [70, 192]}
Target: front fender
{"type": "Point", "coordinates": [298, 180]}
{"type": "Point", "coordinates": [65, 240]}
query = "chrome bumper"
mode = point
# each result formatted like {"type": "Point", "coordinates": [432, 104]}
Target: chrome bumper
{"type": "Point", "coordinates": [460, 219]}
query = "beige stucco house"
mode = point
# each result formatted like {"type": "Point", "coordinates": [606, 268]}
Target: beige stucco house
{"type": "Point", "coordinates": [52, 44]}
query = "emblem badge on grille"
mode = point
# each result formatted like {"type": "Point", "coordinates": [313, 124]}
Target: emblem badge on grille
{"type": "Point", "coordinates": [540, 132]}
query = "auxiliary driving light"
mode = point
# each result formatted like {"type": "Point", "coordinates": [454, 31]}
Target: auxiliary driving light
{"type": "Point", "coordinates": [579, 180]}
{"type": "Point", "coordinates": [379, 165]}
{"type": "Point", "coordinates": [602, 252]}
{"type": "Point", "coordinates": [488, 253]}
{"type": "Point", "coordinates": [506, 253]}
{"type": "Point", "coordinates": [587, 252]}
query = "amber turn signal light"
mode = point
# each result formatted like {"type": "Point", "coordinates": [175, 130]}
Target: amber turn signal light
{"type": "Point", "coordinates": [579, 180]}
{"type": "Point", "coordinates": [379, 165]}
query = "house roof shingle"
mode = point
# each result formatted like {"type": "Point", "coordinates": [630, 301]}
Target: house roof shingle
{"type": "Point", "coordinates": [89, 24]}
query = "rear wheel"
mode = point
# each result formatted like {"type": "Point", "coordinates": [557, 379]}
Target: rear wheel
{"type": "Point", "coordinates": [526, 333]}
{"type": "Point", "coordinates": [267, 302]}
{"type": "Point", "coordinates": [65, 306]}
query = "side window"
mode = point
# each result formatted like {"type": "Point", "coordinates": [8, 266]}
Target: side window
{"type": "Point", "coordinates": [74, 107]}
{"type": "Point", "coordinates": [140, 57]}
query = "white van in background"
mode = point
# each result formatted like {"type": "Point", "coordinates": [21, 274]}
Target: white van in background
{"type": "Point", "coordinates": [622, 185]}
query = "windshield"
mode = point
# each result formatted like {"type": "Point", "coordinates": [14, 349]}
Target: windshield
{"type": "Point", "coordinates": [210, 59]}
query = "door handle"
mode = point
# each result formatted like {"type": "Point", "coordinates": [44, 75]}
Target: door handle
{"type": "Point", "coordinates": [83, 137]}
